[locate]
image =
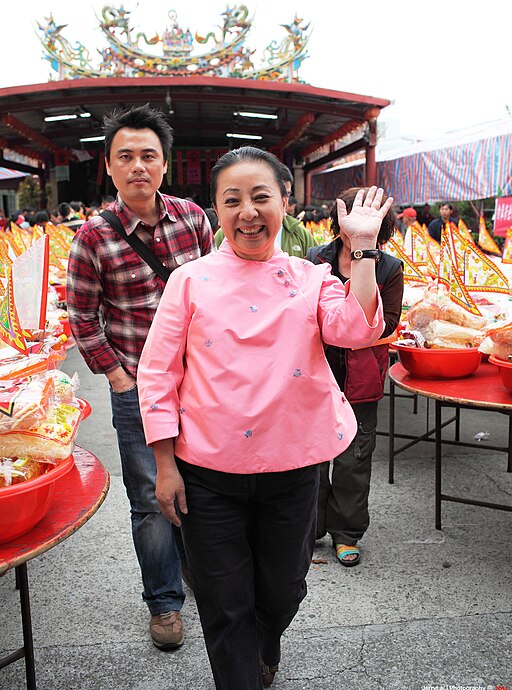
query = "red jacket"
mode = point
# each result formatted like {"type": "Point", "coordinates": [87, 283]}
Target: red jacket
{"type": "Point", "coordinates": [361, 373]}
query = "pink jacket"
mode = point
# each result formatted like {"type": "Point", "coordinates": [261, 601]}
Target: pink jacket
{"type": "Point", "coordinates": [234, 363]}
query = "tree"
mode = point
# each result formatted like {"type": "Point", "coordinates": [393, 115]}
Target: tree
{"type": "Point", "coordinates": [29, 193]}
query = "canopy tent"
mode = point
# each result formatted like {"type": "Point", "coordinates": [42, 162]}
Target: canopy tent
{"type": "Point", "coordinates": [474, 163]}
{"type": "Point", "coordinates": [7, 174]}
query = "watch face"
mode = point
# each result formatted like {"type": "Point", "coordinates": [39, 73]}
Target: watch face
{"type": "Point", "coordinates": [358, 254]}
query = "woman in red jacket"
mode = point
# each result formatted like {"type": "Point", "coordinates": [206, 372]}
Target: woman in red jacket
{"type": "Point", "coordinates": [343, 498]}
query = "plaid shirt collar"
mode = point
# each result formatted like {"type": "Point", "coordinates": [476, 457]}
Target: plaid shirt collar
{"type": "Point", "coordinates": [130, 221]}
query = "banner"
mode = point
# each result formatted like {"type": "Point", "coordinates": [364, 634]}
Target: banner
{"type": "Point", "coordinates": [207, 165]}
{"type": "Point", "coordinates": [502, 215]}
{"type": "Point", "coordinates": [194, 167]}
{"type": "Point", "coordinates": [10, 328]}
{"type": "Point", "coordinates": [179, 168]}
{"type": "Point", "coordinates": [485, 240]}
{"type": "Point", "coordinates": [507, 248]}
{"type": "Point", "coordinates": [30, 284]}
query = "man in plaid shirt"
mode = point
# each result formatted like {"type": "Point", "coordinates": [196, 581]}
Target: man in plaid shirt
{"type": "Point", "coordinates": [112, 296]}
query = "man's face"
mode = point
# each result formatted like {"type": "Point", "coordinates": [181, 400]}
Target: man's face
{"type": "Point", "coordinates": [290, 208]}
{"type": "Point", "coordinates": [136, 164]}
{"type": "Point", "coordinates": [445, 212]}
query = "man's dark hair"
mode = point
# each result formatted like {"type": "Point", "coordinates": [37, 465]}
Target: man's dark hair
{"type": "Point", "coordinates": [446, 203]}
{"type": "Point", "coordinates": [241, 155]}
{"type": "Point", "coordinates": [292, 200]}
{"type": "Point", "coordinates": [138, 117]}
{"type": "Point", "coordinates": [77, 206]}
{"type": "Point", "coordinates": [212, 217]}
{"type": "Point", "coordinates": [41, 217]}
{"type": "Point", "coordinates": [387, 227]}
{"type": "Point", "coordinates": [286, 175]}
{"type": "Point", "coordinates": [64, 209]}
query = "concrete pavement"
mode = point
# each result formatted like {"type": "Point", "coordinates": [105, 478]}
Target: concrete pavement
{"type": "Point", "coordinates": [424, 608]}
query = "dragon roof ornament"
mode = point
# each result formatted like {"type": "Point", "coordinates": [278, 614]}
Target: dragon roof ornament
{"type": "Point", "coordinates": [130, 53]}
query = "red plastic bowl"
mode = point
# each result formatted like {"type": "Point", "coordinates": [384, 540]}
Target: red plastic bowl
{"type": "Point", "coordinates": [23, 505]}
{"type": "Point", "coordinates": [505, 370]}
{"type": "Point", "coordinates": [438, 364]}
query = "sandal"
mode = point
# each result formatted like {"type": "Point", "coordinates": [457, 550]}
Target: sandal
{"type": "Point", "coordinates": [342, 551]}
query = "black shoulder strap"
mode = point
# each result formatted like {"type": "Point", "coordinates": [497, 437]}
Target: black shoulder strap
{"type": "Point", "coordinates": [138, 246]}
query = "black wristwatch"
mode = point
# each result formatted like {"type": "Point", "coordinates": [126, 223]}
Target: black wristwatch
{"type": "Point", "coordinates": [365, 254]}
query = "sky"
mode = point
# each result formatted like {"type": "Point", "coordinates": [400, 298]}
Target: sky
{"type": "Point", "coordinates": [444, 64]}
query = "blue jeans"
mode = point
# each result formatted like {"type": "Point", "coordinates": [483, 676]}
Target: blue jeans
{"type": "Point", "coordinates": [157, 542]}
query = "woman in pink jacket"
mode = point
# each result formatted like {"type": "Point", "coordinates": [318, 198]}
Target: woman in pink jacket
{"type": "Point", "coordinates": [240, 406]}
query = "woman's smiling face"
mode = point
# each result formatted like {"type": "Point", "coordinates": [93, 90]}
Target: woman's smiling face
{"type": "Point", "coordinates": [250, 207]}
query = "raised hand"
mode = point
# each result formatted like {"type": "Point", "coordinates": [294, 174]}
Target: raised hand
{"type": "Point", "coordinates": [363, 223]}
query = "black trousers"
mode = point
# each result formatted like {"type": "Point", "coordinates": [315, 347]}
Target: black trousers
{"type": "Point", "coordinates": [343, 497]}
{"type": "Point", "coordinates": [249, 541]}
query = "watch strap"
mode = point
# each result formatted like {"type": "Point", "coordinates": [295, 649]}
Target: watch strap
{"type": "Point", "coordinates": [365, 254]}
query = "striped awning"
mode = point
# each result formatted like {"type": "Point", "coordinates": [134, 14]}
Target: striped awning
{"type": "Point", "coordinates": [475, 166]}
{"type": "Point", "coordinates": [8, 174]}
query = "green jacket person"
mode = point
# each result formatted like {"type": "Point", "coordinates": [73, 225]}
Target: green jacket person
{"type": "Point", "coordinates": [294, 239]}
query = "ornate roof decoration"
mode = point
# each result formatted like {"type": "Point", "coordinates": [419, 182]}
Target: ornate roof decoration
{"type": "Point", "coordinates": [130, 53]}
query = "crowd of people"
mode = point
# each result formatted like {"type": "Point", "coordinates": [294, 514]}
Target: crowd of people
{"type": "Point", "coordinates": [219, 331]}
{"type": "Point", "coordinates": [72, 213]}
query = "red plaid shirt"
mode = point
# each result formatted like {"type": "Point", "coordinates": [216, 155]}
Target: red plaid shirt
{"type": "Point", "coordinates": [112, 294]}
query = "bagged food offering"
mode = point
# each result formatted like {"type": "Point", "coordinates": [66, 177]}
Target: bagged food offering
{"type": "Point", "coordinates": [49, 439]}
{"type": "Point", "coordinates": [444, 334]}
{"type": "Point", "coordinates": [65, 386]}
{"type": "Point", "coordinates": [42, 356]}
{"type": "Point", "coordinates": [25, 402]}
{"type": "Point", "coordinates": [429, 309]}
{"type": "Point", "coordinates": [17, 470]}
{"type": "Point", "coordinates": [498, 342]}
{"type": "Point", "coordinates": [438, 322]}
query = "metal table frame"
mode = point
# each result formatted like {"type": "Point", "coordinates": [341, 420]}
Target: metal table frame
{"type": "Point", "coordinates": [79, 494]}
{"type": "Point", "coordinates": [434, 389]}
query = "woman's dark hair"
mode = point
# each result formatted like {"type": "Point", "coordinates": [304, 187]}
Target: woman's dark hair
{"type": "Point", "coordinates": [387, 228]}
{"type": "Point", "coordinates": [78, 206]}
{"type": "Point", "coordinates": [241, 155]}
{"type": "Point", "coordinates": [212, 217]}
{"type": "Point", "coordinates": [309, 214]}
{"type": "Point", "coordinates": [138, 117]}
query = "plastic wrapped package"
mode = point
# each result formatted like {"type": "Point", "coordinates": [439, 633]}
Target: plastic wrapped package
{"type": "Point", "coordinates": [65, 386]}
{"type": "Point", "coordinates": [50, 439]}
{"type": "Point", "coordinates": [17, 470]}
{"type": "Point", "coordinates": [25, 402]}
{"type": "Point", "coordinates": [498, 342]}
{"type": "Point", "coordinates": [424, 312]}
{"type": "Point", "coordinates": [443, 334]}
{"type": "Point", "coordinates": [41, 357]}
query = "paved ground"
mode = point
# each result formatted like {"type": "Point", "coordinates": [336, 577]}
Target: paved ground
{"type": "Point", "coordinates": [424, 608]}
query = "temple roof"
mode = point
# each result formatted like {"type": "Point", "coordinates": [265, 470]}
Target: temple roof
{"type": "Point", "coordinates": [201, 110]}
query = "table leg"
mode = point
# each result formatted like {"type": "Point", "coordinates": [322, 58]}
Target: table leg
{"type": "Point", "coordinates": [438, 464]}
{"type": "Point", "coordinates": [30, 667]}
{"type": "Point", "coordinates": [391, 440]}
{"type": "Point", "coordinates": [457, 423]}
{"type": "Point", "coordinates": [509, 462]}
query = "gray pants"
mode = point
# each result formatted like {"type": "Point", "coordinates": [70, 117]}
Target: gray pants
{"type": "Point", "coordinates": [343, 497]}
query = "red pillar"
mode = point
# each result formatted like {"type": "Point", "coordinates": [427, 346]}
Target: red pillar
{"type": "Point", "coordinates": [307, 188]}
{"type": "Point", "coordinates": [371, 163]}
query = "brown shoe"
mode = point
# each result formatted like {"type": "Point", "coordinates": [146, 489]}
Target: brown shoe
{"type": "Point", "coordinates": [268, 673]}
{"type": "Point", "coordinates": [167, 630]}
